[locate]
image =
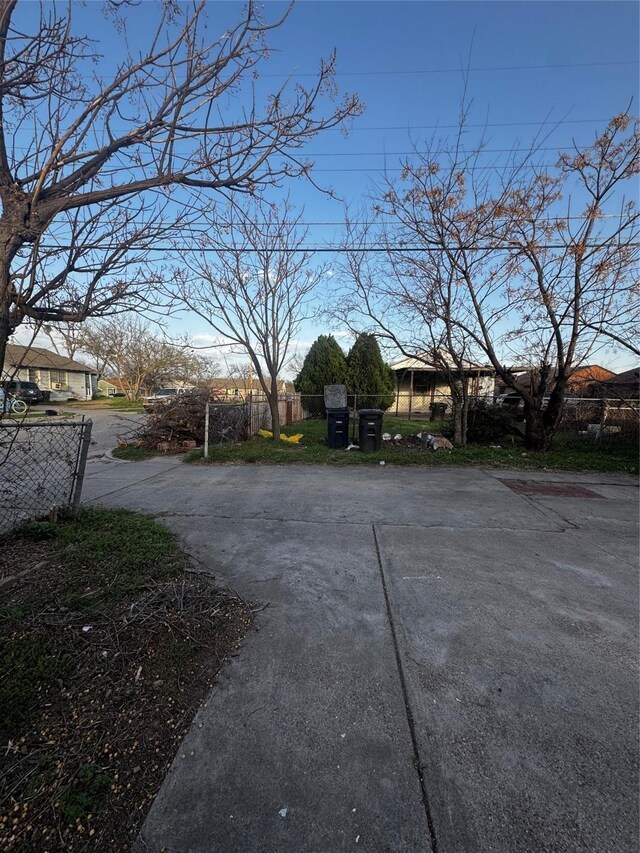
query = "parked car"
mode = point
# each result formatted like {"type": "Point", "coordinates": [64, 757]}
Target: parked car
{"type": "Point", "coordinates": [162, 397]}
{"type": "Point", "coordinates": [28, 392]}
{"type": "Point", "coordinates": [512, 400]}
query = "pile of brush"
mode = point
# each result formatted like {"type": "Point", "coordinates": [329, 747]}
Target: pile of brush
{"type": "Point", "coordinates": [177, 424]}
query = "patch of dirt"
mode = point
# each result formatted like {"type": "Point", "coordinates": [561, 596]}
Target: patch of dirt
{"type": "Point", "coordinates": [410, 441]}
{"type": "Point", "coordinates": [94, 708]}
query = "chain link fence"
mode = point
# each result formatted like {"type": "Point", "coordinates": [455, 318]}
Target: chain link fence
{"type": "Point", "coordinates": [583, 418]}
{"type": "Point", "coordinates": [225, 423]}
{"type": "Point", "coordinates": [402, 405]}
{"type": "Point", "coordinates": [605, 419]}
{"type": "Point", "coordinates": [590, 419]}
{"type": "Point", "coordinates": [41, 468]}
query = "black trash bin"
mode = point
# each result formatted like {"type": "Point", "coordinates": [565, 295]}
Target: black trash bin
{"type": "Point", "coordinates": [370, 429]}
{"type": "Point", "coordinates": [338, 428]}
{"type": "Point", "coordinates": [438, 411]}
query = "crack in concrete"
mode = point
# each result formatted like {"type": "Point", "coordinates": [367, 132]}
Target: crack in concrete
{"type": "Point", "coordinates": [130, 485]}
{"type": "Point", "coordinates": [380, 523]}
{"type": "Point", "coordinates": [405, 695]}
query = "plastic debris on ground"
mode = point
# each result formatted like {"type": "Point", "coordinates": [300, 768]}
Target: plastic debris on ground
{"type": "Point", "coordinates": [292, 439]}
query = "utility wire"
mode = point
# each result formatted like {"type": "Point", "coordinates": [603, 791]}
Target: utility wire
{"type": "Point", "coordinates": [378, 221]}
{"type": "Point", "coordinates": [436, 152]}
{"type": "Point", "coordinates": [458, 69]}
{"type": "Point", "coordinates": [323, 248]}
{"type": "Point", "coordinates": [408, 126]}
{"type": "Point", "coordinates": [481, 124]}
{"type": "Point", "coordinates": [499, 168]}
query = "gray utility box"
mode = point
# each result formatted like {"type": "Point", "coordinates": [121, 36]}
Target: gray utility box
{"type": "Point", "coordinates": [370, 429]}
{"type": "Point", "coordinates": [338, 428]}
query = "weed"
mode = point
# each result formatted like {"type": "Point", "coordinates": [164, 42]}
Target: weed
{"type": "Point", "coordinates": [567, 455]}
{"type": "Point", "coordinates": [30, 668]}
{"type": "Point", "coordinates": [85, 793]}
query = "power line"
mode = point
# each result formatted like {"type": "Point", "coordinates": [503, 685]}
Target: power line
{"type": "Point", "coordinates": [533, 149]}
{"type": "Point", "coordinates": [460, 69]}
{"type": "Point", "coordinates": [550, 221]}
{"type": "Point", "coordinates": [484, 124]}
{"type": "Point", "coordinates": [324, 248]}
{"type": "Point", "coordinates": [440, 151]}
{"type": "Point", "coordinates": [408, 126]}
{"type": "Point", "coordinates": [465, 168]}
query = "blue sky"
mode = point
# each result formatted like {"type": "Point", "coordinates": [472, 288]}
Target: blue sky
{"type": "Point", "coordinates": [404, 60]}
{"type": "Point", "coordinates": [572, 63]}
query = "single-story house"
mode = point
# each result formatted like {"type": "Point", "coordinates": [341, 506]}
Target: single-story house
{"type": "Point", "coordinates": [113, 387]}
{"type": "Point", "coordinates": [237, 389]}
{"type": "Point", "coordinates": [65, 378]}
{"type": "Point", "coordinates": [420, 383]}
{"type": "Point", "coordinates": [585, 381]}
{"type": "Point", "coordinates": [623, 385]}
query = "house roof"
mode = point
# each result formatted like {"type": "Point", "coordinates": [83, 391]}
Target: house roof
{"type": "Point", "coordinates": [592, 373]}
{"type": "Point", "coordinates": [629, 377]}
{"type": "Point", "coordinates": [225, 383]}
{"type": "Point", "coordinates": [579, 380]}
{"type": "Point", "coordinates": [423, 361]}
{"type": "Point", "coordinates": [19, 356]}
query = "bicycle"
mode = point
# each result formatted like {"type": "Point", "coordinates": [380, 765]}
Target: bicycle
{"type": "Point", "coordinates": [13, 406]}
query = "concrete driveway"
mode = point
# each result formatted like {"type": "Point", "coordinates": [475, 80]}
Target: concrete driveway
{"type": "Point", "coordinates": [446, 662]}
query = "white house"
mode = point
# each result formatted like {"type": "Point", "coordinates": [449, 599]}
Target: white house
{"type": "Point", "coordinates": [420, 383]}
{"type": "Point", "coordinates": [64, 378]}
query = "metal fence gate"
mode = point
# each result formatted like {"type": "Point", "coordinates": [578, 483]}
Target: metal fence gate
{"type": "Point", "coordinates": [41, 467]}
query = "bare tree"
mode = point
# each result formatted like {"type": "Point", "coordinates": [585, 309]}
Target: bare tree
{"type": "Point", "coordinates": [408, 301]}
{"type": "Point", "coordinates": [242, 373]}
{"type": "Point", "coordinates": [143, 361]}
{"type": "Point", "coordinates": [524, 267]}
{"type": "Point", "coordinates": [253, 285]}
{"type": "Point", "coordinates": [64, 336]}
{"type": "Point", "coordinates": [96, 169]}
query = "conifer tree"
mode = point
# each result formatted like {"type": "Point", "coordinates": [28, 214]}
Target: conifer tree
{"type": "Point", "coordinates": [370, 379]}
{"type": "Point", "coordinates": [324, 364]}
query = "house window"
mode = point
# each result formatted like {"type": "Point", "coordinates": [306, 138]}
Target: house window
{"type": "Point", "coordinates": [424, 383]}
{"type": "Point", "coordinates": [34, 374]}
{"type": "Point", "coordinates": [58, 378]}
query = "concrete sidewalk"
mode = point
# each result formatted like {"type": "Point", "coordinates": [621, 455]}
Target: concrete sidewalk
{"type": "Point", "coordinates": [443, 663]}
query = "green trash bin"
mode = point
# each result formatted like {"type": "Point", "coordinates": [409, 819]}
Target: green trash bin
{"type": "Point", "coordinates": [370, 429]}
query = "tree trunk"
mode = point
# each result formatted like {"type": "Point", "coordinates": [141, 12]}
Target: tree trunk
{"type": "Point", "coordinates": [464, 421]}
{"type": "Point", "coordinates": [275, 412]}
{"type": "Point", "coordinates": [535, 435]}
{"type": "Point", "coordinates": [275, 416]}
{"type": "Point", "coordinates": [5, 305]}
{"type": "Point", "coordinates": [460, 400]}
{"type": "Point", "coordinates": [458, 432]}
{"type": "Point", "coordinates": [541, 426]}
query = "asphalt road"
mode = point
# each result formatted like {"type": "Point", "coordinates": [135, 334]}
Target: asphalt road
{"type": "Point", "coordinates": [108, 427]}
{"type": "Point", "coordinates": [444, 664]}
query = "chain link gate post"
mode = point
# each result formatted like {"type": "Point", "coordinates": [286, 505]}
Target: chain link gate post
{"type": "Point", "coordinates": [83, 452]}
{"type": "Point", "coordinates": [205, 451]}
